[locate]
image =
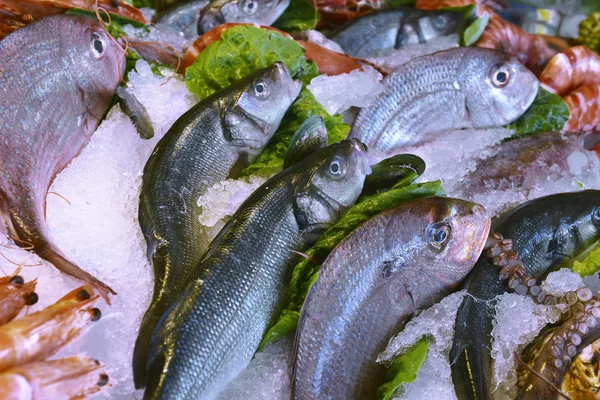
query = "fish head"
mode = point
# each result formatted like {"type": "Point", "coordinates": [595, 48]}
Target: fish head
{"type": "Point", "coordinates": [498, 89]}
{"type": "Point", "coordinates": [448, 235]}
{"type": "Point", "coordinates": [98, 61]}
{"type": "Point", "coordinates": [260, 107]}
{"type": "Point", "coordinates": [429, 25]}
{"type": "Point", "coordinates": [331, 180]}
{"type": "Point", "coordinates": [262, 12]}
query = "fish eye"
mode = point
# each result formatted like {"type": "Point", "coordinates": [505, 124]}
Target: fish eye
{"type": "Point", "coordinates": [500, 76]}
{"type": "Point", "coordinates": [97, 44]}
{"type": "Point", "coordinates": [438, 236]}
{"type": "Point", "coordinates": [261, 89]}
{"type": "Point", "coordinates": [440, 21]}
{"type": "Point", "coordinates": [250, 6]}
{"type": "Point", "coordinates": [336, 168]}
{"type": "Point", "coordinates": [596, 216]}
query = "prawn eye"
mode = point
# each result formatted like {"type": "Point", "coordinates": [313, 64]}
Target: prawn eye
{"type": "Point", "coordinates": [438, 236]}
{"type": "Point", "coordinates": [261, 89]}
{"type": "Point", "coordinates": [500, 76]}
{"type": "Point", "coordinates": [98, 45]}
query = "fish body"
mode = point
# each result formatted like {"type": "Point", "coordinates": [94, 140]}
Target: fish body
{"type": "Point", "coordinates": [211, 142]}
{"type": "Point", "coordinates": [213, 329]}
{"type": "Point", "coordinates": [465, 87]}
{"type": "Point", "coordinates": [545, 232]}
{"type": "Point", "coordinates": [402, 260]}
{"type": "Point", "coordinates": [59, 75]}
{"type": "Point", "coordinates": [182, 17]}
{"type": "Point", "coordinates": [383, 30]}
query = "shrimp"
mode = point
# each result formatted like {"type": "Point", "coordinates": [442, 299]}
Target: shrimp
{"type": "Point", "coordinates": [584, 104]}
{"type": "Point", "coordinates": [40, 335]}
{"type": "Point", "coordinates": [15, 294]}
{"type": "Point", "coordinates": [567, 71]}
{"type": "Point", "coordinates": [62, 379]}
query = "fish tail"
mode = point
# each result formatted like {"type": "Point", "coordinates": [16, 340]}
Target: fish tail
{"type": "Point", "coordinates": [142, 346]}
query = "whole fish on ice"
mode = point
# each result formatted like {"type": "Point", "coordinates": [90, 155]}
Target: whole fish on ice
{"type": "Point", "coordinates": [58, 77]}
{"type": "Point", "coordinates": [467, 87]}
{"type": "Point", "coordinates": [211, 142]}
{"type": "Point", "coordinates": [402, 260]}
{"type": "Point", "coordinates": [213, 329]}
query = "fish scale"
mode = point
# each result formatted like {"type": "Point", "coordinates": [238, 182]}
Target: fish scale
{"type": "Point", "coordinates": [59, 88]}
{"type": "Point", "coordinates": [451, 89]}
{"type": "Point", "coordinates": [213, 329]}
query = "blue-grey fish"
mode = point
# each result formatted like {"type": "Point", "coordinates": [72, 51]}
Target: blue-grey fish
{"type": "Point", "coordinates": [211, 142]}
{"type": "Point", "coordinates": [467, 87]}
{"type": "Point", "coordinates": [402, 260]}
{"type": "Point", "coordinates": [58, 76]}
{"type": "Point", "coordinates": [368, 35]}
{"type": "Point", "coordinates": [545, 232]}
{"type": "Point", "coordinates": [213, 329]}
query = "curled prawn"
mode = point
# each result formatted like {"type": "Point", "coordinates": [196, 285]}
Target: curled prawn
{"type": "Point", "coordinates": [62, 379]}
{"type": "Point", "coordinates": [571, 69]}
{"type": "Point", "coordinates": [584, 104]}
{"type": "Point", "coordinates": [40, 335]}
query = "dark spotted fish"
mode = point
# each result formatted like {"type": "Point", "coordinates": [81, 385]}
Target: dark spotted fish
{"type": "Point", "coordinates": [58, 77]}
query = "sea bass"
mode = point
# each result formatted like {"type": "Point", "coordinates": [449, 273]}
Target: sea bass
{"type": "Point", "coordinates": [211, 142]}
{"type": "Point", "coordinates": [198, 17]}
{"type": "Point", "coordinates": [213, 329]}
{"type": "Point", "coordinates": [545, 232]}
{"type": "Point", "coordinates": [400, 261]}
{"type": "Point", "coordinates": [466, 87]}
{"type": "Point", "coordinates": [366, 36]}
{"type": "Point", "coordinates": [58, 77]}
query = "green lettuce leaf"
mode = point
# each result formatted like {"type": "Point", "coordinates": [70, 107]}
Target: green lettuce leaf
{"type": "Point", "coordinates": [240, 51]}
{"type": "Point", "coordinates": [403, 370]}
{"type": "Point", "coordinates": [549, 112]}
{"type": "Point", "coordinates": [271, 159]}
{"type": "Point", "coordinates": [300, 16]}
{"type": "Point", "coordinates": [475, 29]}
{"type": "Point", "coordinates": [590, 264]}
{"type": "Point", "coordinates": [303, 275]}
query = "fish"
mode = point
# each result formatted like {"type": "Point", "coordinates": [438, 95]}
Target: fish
{"type": "Point", "coordinates": [59, 76]}
{"type": "Point", "coordinates": [209, 143]}
{"type": "Point", "coordinates": [195, 18]}
{"type": "Point", "coordinates": [399, 262]}
{"type": "Point", "coordinates": [213, 329]}
{"type": "Point", "coordinates": [459, 88]}
{"type": "Point", "coordinates": [136, 112]}
{"type": "Point", "coordinates": [395, 171]}
{"type": "Point", "coordinates": [545, 232]}
{"type": "Point", "coordinates": [373, 33]}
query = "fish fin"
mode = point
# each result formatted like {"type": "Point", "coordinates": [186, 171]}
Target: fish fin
{"type": "Point", "coordinates": [310, 136]}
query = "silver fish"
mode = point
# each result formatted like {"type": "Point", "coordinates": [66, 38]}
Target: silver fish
{"type": "Point", "coordinates": [211, 142]}
{"type": "Point", "coordinates": [182, 17]}
{"type": "Point", "coordinates": [466, 87]}
{"type": "Point", "coordinates": [213, 329]}
{"type": "Point", "coordinates": [392, 29]}
{"type": "Point", "coordinates": [58, 77]}
{"type": "Point", "coordinates": [262, 12]}
{"type": "Point", "coordinates": [400, 261]}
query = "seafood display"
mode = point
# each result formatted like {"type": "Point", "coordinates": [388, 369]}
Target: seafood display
{"type": "Point", "coordinates": [305, 199]}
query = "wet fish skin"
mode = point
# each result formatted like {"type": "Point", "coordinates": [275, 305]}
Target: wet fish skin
{"type": "Point", "coordinates": [371, 283]}
{"type": "Point", "coordinates": [136, 112]}
{"type": "Point", "coordinates": [216, 325]}
{"type": "Point", "coordinates": [262, 12]}
{"type": "Point", "coordinates": [211, 142]}
{"type": "Point", "coordinates": [182, 17]}
{"type": "Point", "coordinates": [452, 89]}
{"type": "Point", "coordinates": [545, 232]}
{"type": "Point", "coordinates": [59, 75]}
{"type": "Point", "coordinates": [368, 35]}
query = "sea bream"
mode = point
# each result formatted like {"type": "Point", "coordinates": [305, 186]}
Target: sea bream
{"type": "Point", "coordinates": [545, 232]}
{"type": "Point", "coordinates": [373, 33]}
{"type": "Point", "coordinates": [58, 77]}
{"type": "Point", "coordinates": [467, 87]}
{"type": "Point", "coordinates": [213, 329]}
{"type": "Point", "coordinates": [211, 142]}
{"type": "Point", "coordinates": [399, 262]}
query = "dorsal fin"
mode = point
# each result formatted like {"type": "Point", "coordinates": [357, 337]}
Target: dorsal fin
{"type": "Point", "coordinates": [310, 136]}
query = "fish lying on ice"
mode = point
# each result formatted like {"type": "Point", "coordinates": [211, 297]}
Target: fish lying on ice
{"type": "Point", "coordinates": [400, 261]}
{"type": "Point", "coordinates": [213, 329]}
{"type": "Point", "coordinates": [368, 35]}
{"type": "Point", "coordinates": [545, 232]}
{"type": "Point", "coordinates": [467, 87]}
{"type": "Point", "coordinates": [58, 78]}
{"type": "Point", "coordinates": [211, 142]}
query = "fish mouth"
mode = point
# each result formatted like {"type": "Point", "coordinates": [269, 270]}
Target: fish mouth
{"type": "Point", "coordinates": [284, 75]}
{"type": "Point", "coordinates": [363, 153]}
{"type": "Point", "coordinates": [529, 99]}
